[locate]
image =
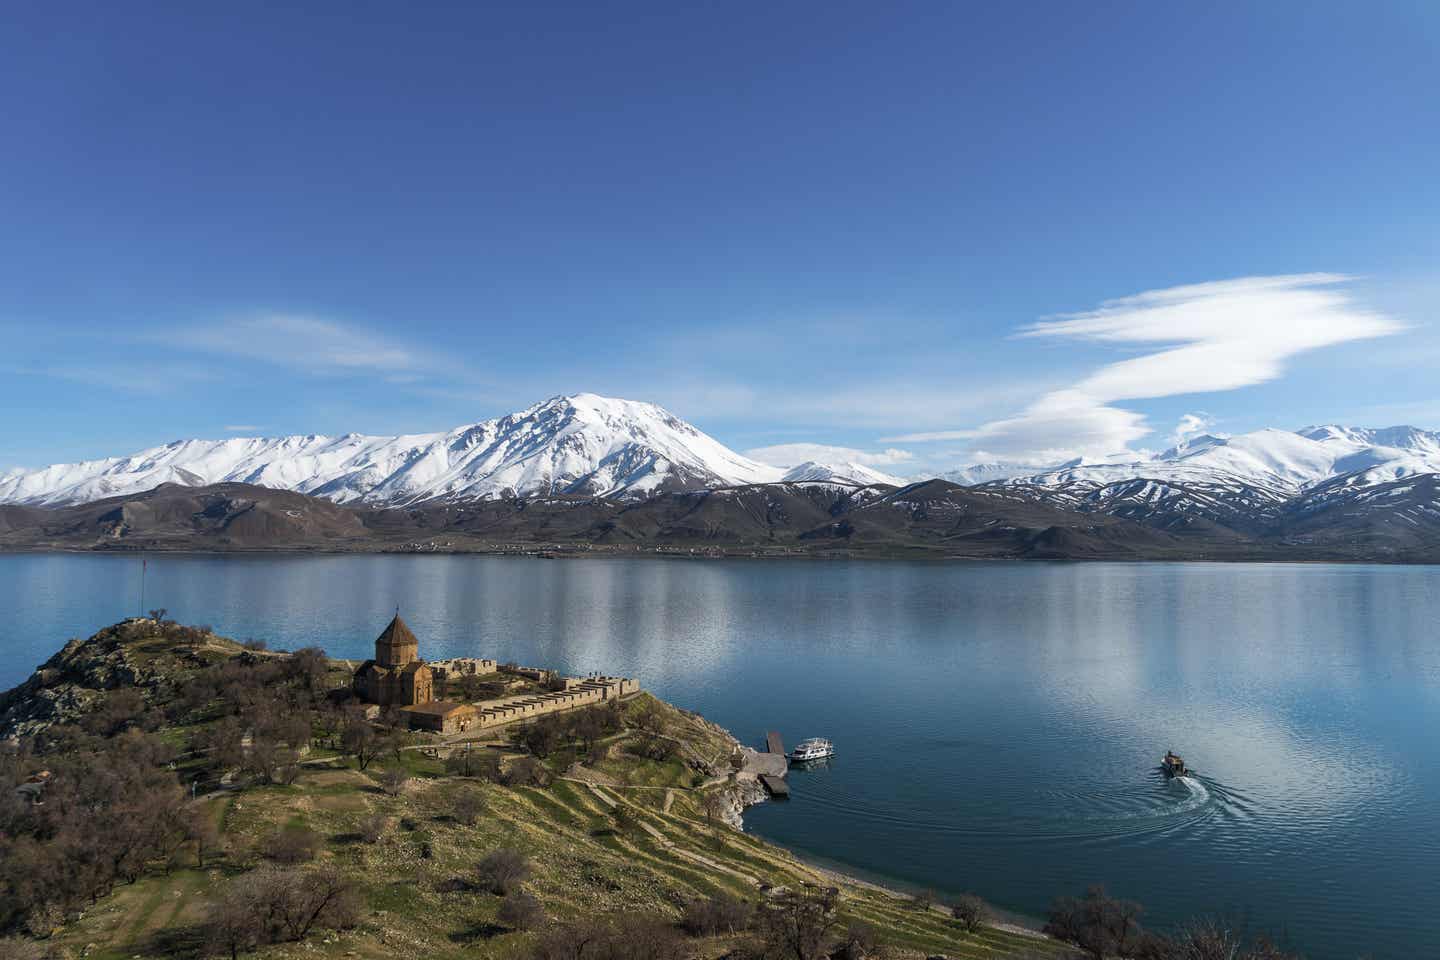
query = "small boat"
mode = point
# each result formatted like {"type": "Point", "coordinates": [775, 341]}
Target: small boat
{"type": "Point", "coordinates": [1173, 765]}
{"type": "Point", "coordinates": [816, 748]}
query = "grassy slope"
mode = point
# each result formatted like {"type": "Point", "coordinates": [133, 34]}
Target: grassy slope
{"type": "Point", "coordinates": [423, 906]}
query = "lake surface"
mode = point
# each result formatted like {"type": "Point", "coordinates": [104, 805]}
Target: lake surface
{"type": "Point", "coordinates": [998, 725]}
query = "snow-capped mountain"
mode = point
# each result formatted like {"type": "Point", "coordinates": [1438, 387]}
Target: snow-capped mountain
{"type": "Point", "coordinates": [813, 471]}
{"type": "Point", "coordinates": [583, 444]}
{"type": "Point", "coordinates": [978, 473]}
{"type": "Point", "coordinates": [1283, 461]}
{"type": "Point", "coordinates": [1246, 482]}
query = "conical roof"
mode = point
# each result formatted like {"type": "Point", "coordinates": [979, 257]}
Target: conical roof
{"type": "Point", "coordinates": [396, 634]}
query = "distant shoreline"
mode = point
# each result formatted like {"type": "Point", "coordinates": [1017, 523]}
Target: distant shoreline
{"type": "Point", "coordinates": [685, 554]}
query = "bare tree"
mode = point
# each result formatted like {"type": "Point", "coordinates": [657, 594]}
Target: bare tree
{"type": "Point", "coordinates": [1097, 923]}
{"type": "Point", "coordinates": [861, 942]}
{"type": "Point", "coordinates": [716, 916]}
{"type": "Point", "coordinates": [393, 780]}
{"type": "Point", "coordinates": [358, 740]}
{"type": "Point", "coordinates": [372, 828]}
{"type": "Point", "coordinates": [234, 923]}
{"type": "Point", "coordinates": [292, 844]}
{"type": "Point", "coordinates": [526, 772]}
{"type": "Point", "coordinates": [970, 911]}
{"type": "Point", "coordinates": [468, 805]}
{"type": "Point", "coordinates": [800, 924]}
{"type": "Point", "coordinates": [715, 805]}
{"type": "Point", "coordinates": [520, 911]}
{"type": "Point", "coordinates": [468, 762]}
{"type": "Point", "coordinates": [503, 870]}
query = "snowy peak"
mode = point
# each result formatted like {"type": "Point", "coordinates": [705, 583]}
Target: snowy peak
{"type": "Point", "coordinates": [1247, 483]}
{"type": "Point", "coordinates": [1284, 461]}
{"type": "Point", "coordinates": [978, 473]}
{"type": "Point", "coordinates": [812, 471]}
{"type": "Point", "coordinates": [584, 445]}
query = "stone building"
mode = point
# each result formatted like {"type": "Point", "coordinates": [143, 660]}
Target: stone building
{"type": "Point", "coordinates": [442, 716]}
{"type": "Point", "coordinates": [397, 676]}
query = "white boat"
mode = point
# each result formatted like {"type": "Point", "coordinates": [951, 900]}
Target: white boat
{"type": "Point", "coordinates": [816, 748]}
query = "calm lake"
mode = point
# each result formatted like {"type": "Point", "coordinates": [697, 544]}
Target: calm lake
{"type": "Point", "coordinates": [998, 725]}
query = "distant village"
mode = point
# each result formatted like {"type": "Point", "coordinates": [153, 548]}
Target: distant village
{"type": "Point", "coordinates": [432, 695]}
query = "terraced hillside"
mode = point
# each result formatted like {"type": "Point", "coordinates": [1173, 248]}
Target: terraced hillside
{"type": "Point", "coordinates": [627, 826]}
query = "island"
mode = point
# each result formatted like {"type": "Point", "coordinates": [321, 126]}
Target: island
{"type": "Point", "coordinates": [169, 792]}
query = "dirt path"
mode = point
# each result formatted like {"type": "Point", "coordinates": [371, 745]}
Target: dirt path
{"type": "Point", "coordinates": [667, 844]}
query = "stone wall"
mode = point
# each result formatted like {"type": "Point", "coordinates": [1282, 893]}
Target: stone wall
{"type": "Point", "coordinates": [463, 666]}
{"type": "Point", "coordinates": [589, 691]}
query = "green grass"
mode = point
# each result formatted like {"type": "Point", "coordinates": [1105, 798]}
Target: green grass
{"type": "Point", "coordinates": [584, 867]}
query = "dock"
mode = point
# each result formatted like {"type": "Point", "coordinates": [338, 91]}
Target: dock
{"type": "Point", "coordinates": [776, 786]}
{"type": "Point", "coordinates": [774, 744]}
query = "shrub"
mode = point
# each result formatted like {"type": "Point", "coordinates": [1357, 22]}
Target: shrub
{"type": "Point", "coordinates": [1097, 923]}
{"type": "Point", "coordinates": [393, 780]}
{"type": "Point", "coordinates": [473, 763]}
{"type": "Point", "coordinates": [292, 844]}
{"type": "Point", "coordinates": [270, 905]}
{"type": "Point", "coordinates": [861, 942]}
{"type": "Point", "coordinates": [622, 818]}
{"type": "Point", "coordinates": [520, 911]}
{"type": "Point", "coordinates": [630, 938]}
{"type": "Point", "coordinates": [526, 772]}
{"type": "Point", "coordinates": [468, 805]}
{"type": "Point", "coordinates": [372, 828]}
{"type": "Point", "coordinates": [970, 911]}
{"type": "Point", "coordinates": [715, 916]}
{"type": "Point", "coordinates": [503, 870]}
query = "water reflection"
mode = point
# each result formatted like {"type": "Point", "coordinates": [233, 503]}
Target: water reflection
{"type": "Point", "coordinates": [998, 725]}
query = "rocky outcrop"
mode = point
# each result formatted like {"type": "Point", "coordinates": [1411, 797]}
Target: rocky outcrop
{"type": "Point", "coordinates": [67, 686]}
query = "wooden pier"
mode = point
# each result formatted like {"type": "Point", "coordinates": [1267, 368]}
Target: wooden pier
{"type": "Point", "coordinates": [774, 744]}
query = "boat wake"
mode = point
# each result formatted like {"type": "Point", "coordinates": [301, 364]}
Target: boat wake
{"type": "Point", "coordinates": [1199, 794]}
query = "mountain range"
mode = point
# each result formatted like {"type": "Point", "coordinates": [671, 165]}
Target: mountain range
{"type": "Point", "coordinates": [593, 469]}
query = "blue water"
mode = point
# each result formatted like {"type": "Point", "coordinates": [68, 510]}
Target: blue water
{"type": "Point", "coordinates": [998, 724]}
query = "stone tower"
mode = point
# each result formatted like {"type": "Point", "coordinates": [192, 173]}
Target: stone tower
{"type": "Point", "coordinates": [396, 646]}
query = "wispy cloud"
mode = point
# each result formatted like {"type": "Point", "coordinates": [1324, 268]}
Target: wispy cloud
{"type": "Point", "coordinates": [792, 454]}
{"type": "Point", "coordinates": [307, 342]}
{"type": "Point", "coordinates": [1191, 425]}
{"type": "Point", "coordinates": [1225, 335]}
{"type": "Point", "coordinates": [148, 379]}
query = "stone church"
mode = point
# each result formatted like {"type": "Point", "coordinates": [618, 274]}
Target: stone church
{"type": "Point", "coordinates": [397, 676]}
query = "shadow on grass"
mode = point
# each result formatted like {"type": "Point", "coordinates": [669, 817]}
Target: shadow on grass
{"type": "Point", "coordinates": [457, 885]}
{"type": "Point", "coordinates": [477, 932]}
{"type": "Point", "coordinates": [184, 943]}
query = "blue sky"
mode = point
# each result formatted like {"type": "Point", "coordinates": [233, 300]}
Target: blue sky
{"type": "Point", "coordinates": [832, 223]}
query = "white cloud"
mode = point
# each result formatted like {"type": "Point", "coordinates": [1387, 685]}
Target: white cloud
{"type": "Point", "coordinates": [1225, 335]}
{"type": "Point", "coordinates": [301, 341]}
{"type": "Point", "coordinates": [1191, 425]}
{"type": "Point", "coordinates": [788, 455]}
